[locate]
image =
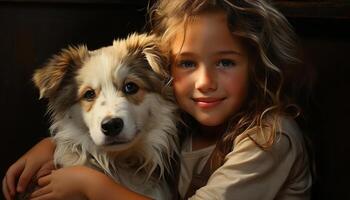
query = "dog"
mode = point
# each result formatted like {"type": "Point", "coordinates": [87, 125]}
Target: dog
{"type": "Point", "coordinates": [112, 109]}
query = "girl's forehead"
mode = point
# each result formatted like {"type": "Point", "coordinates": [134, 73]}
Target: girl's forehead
{"type": "Point", "coordinates": [207, 31]}
{"type": "Point", "coordinates": [204, 23]}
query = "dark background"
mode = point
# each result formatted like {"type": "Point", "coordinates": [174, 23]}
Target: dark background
{"type": "Point", "coordinates": [31, 31]}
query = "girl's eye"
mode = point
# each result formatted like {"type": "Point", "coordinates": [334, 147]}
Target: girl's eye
{"type": "Point", "coordinates": [130, 88]}
{"type": "Point", "coordinates": [226, 63]}
{"type": "Point", "coordinates": [89, 95]}
{"type": "Point", "coordinates": [187, 64]}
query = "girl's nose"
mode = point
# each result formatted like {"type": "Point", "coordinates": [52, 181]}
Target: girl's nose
{"type": "Point", "coordinates": [206, 79]}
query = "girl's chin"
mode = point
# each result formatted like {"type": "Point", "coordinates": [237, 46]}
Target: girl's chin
{"type": "Point", "coordinates": [209, 121]}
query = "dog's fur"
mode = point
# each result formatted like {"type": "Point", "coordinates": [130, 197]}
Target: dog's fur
{"type": "Point", "coordinates": [87, 89]}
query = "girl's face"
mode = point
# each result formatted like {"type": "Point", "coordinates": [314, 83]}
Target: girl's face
{"type": "Point", "coordinates": [210, 69]}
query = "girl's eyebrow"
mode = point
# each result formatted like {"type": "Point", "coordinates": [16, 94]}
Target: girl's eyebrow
{"type": "Point", "coordinates": [228, 52]}
{"type": "Point", "coordinates": [224, 52]}
{"type": "Point", "coordinates": [185, 54]}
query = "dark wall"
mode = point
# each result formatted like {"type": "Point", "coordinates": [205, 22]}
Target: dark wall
{"type": "Point", "coordinates": [326, 42]}
{"type": "Point", "coordinates": [31, 32]}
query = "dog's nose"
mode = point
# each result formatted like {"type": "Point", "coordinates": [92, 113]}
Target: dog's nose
{"type": "Point", "coordinates": [112, 126]}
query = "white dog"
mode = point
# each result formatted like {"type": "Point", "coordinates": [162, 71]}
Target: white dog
{"type": "Point", "coordinates": [112, 110]}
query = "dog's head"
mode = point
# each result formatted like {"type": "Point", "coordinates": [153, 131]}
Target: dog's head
{"type": "Point", "coordinates": [109, 92]}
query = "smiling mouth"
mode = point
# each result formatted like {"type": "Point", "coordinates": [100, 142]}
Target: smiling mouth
{"type": "Point", "coordinates": [207, 102]}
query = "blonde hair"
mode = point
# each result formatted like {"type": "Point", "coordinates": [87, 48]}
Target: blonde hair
{"type": "Point", "coordinates": [271, 41]}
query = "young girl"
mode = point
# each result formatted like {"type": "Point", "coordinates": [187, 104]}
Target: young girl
{"type": "Point", "coordinates": [233, 64]}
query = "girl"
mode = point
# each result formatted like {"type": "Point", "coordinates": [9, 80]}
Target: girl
{"type": "Point", "coordinates": [233, 64]}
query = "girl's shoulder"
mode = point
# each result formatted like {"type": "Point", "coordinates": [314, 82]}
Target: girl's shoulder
{"type": "Point", "coordinates": [287, 135]}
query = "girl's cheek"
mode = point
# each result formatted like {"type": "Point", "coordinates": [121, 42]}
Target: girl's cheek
{"type": "Point", "coordinates": [180, 79]}
{"type": "Point", "coordinates": [237, 84]}
{"type": "Point", "coordinates": [179, 89]}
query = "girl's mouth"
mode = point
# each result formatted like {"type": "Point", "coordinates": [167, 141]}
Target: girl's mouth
{"type": "Point", "coordinates": [207, 102]}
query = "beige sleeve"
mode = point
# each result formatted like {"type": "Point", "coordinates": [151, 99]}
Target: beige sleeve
{"type": "Point", "coordinates": [252, 173]}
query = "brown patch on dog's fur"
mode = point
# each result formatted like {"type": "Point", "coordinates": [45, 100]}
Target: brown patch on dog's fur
{"type": "Point", "coordinates": [138, 69]}
{"type": "Point", "coordinates": [138, 97]}
{"type": "Point", "coordinates": [87, 105]}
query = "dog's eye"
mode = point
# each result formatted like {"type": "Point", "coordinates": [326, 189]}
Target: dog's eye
{"type": "Point", "coordinates": [130, 88]}
{"type": "Point", "coordinates": [89, 95]}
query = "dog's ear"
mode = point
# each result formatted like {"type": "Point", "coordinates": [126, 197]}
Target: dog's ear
{"type": "Point", "coordinates": [159, 62]}
{"type": "Point", "coordinates": [149, 46]}
{"type": "Point", "coordinates": [49, 78]}
{"type": "Point", "coordinates": [156, 59]}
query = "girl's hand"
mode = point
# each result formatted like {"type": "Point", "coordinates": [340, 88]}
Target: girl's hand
{"type": "Point", "coordinates": [35, 160]}
{"type": "Point", "coordinates": [65, 183]}
{"type": "Point", "coordinates": [81, 182]}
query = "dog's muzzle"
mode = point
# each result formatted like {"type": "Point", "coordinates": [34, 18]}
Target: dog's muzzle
{"type": "Point", "coordinates": [112, 126]}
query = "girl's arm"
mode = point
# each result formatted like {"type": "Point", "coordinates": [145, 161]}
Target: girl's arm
{"type": "Point", "coordinates": [109, 190]}
{"type": "Point", "coordinates": [27, 166]}
{"type": "Point", "coordinates": [81, 182]}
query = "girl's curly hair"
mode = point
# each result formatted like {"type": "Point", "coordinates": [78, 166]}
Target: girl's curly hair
{"type": "Point", "coordinates": [270, 40]}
